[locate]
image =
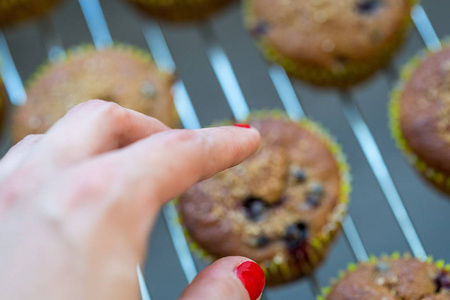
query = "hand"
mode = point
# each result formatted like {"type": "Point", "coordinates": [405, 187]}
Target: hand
{"type": "Point", "coordinates": [78, 203]}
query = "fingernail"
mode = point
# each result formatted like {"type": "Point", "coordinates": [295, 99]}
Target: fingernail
{"type": "Point", "coordinates": [243, 125]}
{"type": "Point", "coordinates": [252, 276]}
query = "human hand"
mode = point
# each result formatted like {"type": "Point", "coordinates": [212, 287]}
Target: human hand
{"type": "Point", "coordinates": [77, 204]}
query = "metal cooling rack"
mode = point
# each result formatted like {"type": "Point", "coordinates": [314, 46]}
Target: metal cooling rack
{"type": "Point", "coordinates": [232, 91]}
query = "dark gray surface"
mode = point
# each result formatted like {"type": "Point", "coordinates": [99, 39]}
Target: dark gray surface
{"type": "Point", "coordinates": [429, 209]}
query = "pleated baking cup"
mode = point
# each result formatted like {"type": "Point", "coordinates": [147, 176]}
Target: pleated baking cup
{"type": "Point", "coordinates": [15, 11]}
{"type": "Point", "coordinates": [22, 128]}
{"type": "Point", "coordinates": [180, 10]}
{"type": "Point", "coordinates": [350, 74]}
{"type": "Point", "coordinates": [373, 260]}
{"type": "Point", "coordinates": [437, 178]}
{"type": "Point", "coordinates": [278, 270]}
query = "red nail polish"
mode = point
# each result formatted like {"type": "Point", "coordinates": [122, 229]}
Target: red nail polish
{"type": "Point", "coordinates": [243, 125]}
{"type": "Point", "coordinates": [252, 276]}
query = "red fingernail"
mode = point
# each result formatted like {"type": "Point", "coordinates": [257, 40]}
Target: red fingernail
{"type": "Point", "coordinates": [252, 276]}
{"type": "Point", "coordinates": [243, 125]}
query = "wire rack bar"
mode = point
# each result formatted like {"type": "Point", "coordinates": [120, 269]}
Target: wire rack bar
{"type": "Point", "coordinates": [101, 36]}
{"type": "Point", "coordinates": [163, 58]}
{"type": "Point", "coordinates": [96, 22]}
{"type": "Point", "coordinates": [225, 74]}
{"type": "Point", "coordinates": [52, 41]}
{"type": "Point", "coordinates": [292, 105]}
{"type": "Point", "coordinates": [354, 239]}
{"type": "Point", "coordinates": [286, 92]}
{"type": "Point", "coordinates": [13, 83]}
{"type": "Point", "coordinates": [425, 28]}
{"type": "Point", "coordinates": [380, 170]}
{"type": "Point", "coordinates": [145, 295]}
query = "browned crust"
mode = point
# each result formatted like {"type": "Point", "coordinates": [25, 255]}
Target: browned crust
{"type": "Point", "coordinates": [116, 74]}
{"type": "Point", "coordinates": [180, 10]}
{"type": "Point", "coordinates": [15, 11]}
{"type": "Point", "coordinates": [406, 279]}
{"type": "Point", "coordinates": [423, 109]}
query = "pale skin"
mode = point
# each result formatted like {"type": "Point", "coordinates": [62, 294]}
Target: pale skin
{"type": "Point", "coordinates": [77, 204]}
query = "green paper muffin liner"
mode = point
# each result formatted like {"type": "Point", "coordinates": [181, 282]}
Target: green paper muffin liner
{"type": "Point", "coordinates": [440, 264]}
{"type": "Point", "coordinates": [352, 74]}
{"type": "Point", "coordinates": [180, 10]}
{"type": "Point", "coordinates": [276, 270]}
{"type": "Point", "coordinates": [139, 54]}
{"type": "Point", "coordinates": [436, 177]}
{"type": "Point", "coordinates": [15, 11]}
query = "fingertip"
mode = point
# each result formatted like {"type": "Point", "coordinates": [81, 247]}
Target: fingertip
{"type": "Point", "coordinates": [252, 277]}
{"type": "Point", "coordinates": [233, 277]}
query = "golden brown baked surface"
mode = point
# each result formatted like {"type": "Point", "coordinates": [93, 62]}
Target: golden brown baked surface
{"type": "Point", "coordinates": [341, 37]}
{"type": "Point", "coordinates": [389, 279]}
{"type": "Point", "coordinates": [180, 10]}
{"type": "Point", "coordinates": [424, 111]}
{"type": "Point", "coordinates": [120, 74]}
{"type": "Point", "coordinates": [272, 205]}
{"type": "Point", "coordinates": [13, 11]}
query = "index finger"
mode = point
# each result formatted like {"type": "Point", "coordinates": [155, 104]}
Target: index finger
{"type": "Point", "coordinates": [165, 164]}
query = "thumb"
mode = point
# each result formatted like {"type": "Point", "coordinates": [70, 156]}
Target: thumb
{"type": "Point", "coordinates": [230, 278]}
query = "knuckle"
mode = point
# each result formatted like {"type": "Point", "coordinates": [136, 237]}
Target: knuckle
{"type": "Point", "coordinates": [177, 137]}
{"type": "Point", "coordinates": [103, 110]}
{"type": "Point", "coordinates": [29, 140]}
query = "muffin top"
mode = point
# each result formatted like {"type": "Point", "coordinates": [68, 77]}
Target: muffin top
{"type": "Point", "coordinates": [391, 279]}
{"type": "Point", "coordinates": [119, 74]}
{"type": "Point", "coordinates": [328, 34]}
{"type": "Point", "coordinates": [268, 207]}
{"type": "Point", "coordinates": [424, 111]}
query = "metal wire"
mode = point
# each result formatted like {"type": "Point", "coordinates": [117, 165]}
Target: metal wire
{"type": "Point", "coordinates": [225, 74]}
{"type": "Point", "coordinates": [11, 78]}
{"type": "Point", "coordinates": [52, 41]}
{"type": "Point", "coordinates": [380, 170]}
{"type": "Point", "coordinates": [96, 22]}
{"type": "Point", "coordinates": [425, 28]}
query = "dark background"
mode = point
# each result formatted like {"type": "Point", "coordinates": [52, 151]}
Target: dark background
{"type": "Point", "coordinates": [428, 209]}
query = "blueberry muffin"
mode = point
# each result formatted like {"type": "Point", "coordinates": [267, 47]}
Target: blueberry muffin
{"type": "Point", "coordinates": [420, 116]}
{"type": "Point", "coordinates": [121, 74]}
{"type": "Point", "coordinates": [392, 278]}
{"type": "Point", "coordinates": [329, 42]}
{"type": "Point", "coordinates": [14, 11]}
{"type": "Point", "coordinates": [282, 207]}
{"type": "Point", "coordinates": [180, 10]}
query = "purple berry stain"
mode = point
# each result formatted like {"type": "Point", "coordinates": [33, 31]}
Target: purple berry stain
{"type": "Point", "coordinates": [295, 237]}
{"type": "Point", "coordinates": [442, 281]}
{"type": "Point", "coordinates": [261, 28]}
{"type": "Point", "coordinates": [368, 6]}
{"type": "Point", "coordinates": [255, 208]}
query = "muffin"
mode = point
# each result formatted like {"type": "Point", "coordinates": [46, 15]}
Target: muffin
{"type": "Point", "coordinates": [391, 278]}
{"type": "Point", "coordinates": [420, 115]}
{"type": "Point", "coordinates": [121, 74]}
{"type": "Point", "coordinates": [328, 42]}
{"type": "Point", "coordinates": [14, 11]}
{"type": "Point", "coordinates": [180, 10]}
{"type": "Point", "coordinates": [282, 207]}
